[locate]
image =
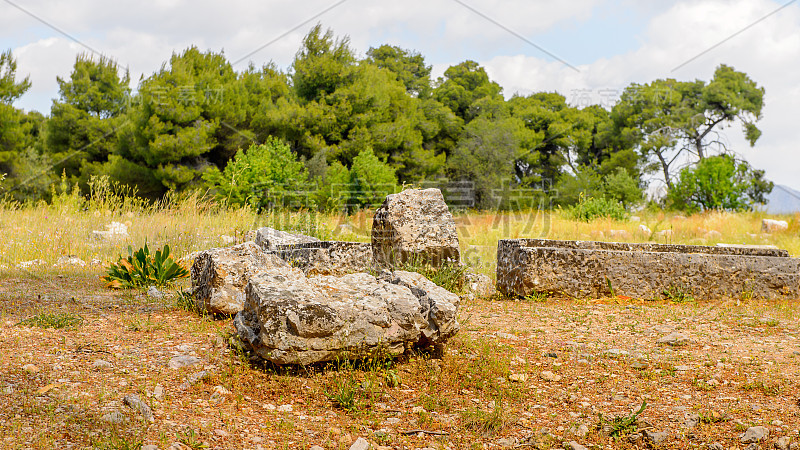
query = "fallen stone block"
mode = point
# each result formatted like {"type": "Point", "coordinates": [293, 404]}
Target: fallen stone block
{"type": "Point", "coordinates": [113, 231]}
{"type": "Point", "coordinates": [328, 257]}
{"type": "Point", "coordinates": [69, 261]}
{"type": "Point", "coordinates": [478, 285]}
{"type": "Point", "coordinates": [219, 275]}
{"type": "Point", "coordinates": [289, 318]}
{"type": "Point", "coordinates": [596, 269]}
{"type": "Point", "coordinates": [269, 238]}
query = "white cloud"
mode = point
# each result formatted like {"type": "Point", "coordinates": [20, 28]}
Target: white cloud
{"type": "Point", "coordinates": [43, 61]}
{"type": "Point", "coordinates": [767, 52]}
{"type": "Point", "coordinates": [140, 36]}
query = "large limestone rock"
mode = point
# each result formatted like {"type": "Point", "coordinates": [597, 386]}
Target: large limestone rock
{"type": "Point", "coordinates": [289, 318]}
{"type": "Point", "coordinates": [219, 275]}
{"type": "Point", "coordinates": [271, 239]}
{"type": "Point", "coordinates": [439, 305]}
{"type": "Point", "coordinates": [414, 224]}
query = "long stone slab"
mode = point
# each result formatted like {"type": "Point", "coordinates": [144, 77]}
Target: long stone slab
{"type": "Point", "coordinates": [328, 257]}
{"type": "Point", "coordinates": [722, 249]}
{"type": "Point", "coordinates": [595, 269]}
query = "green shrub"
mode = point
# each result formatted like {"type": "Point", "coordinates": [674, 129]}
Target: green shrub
{"type": "Point", "coordinates": [589, 208]}
{"type": "Point", "coordinates": [143, 269]}
{"type": "Point", "coordinates": [486, 422]}
{"type": "Point", "coordinates": [344, 394]}
{"type": "Point", "coordinates": [269, 171]}
{"type": "Point", "coordinates": [371, 178]}
{"type": "Point", "coordinates": [621, 186]}
{"type": "Point", "coordinates": [719, 182]}
{"type": "Point", "coordinates": [677, 294]}
{"type": "Point", "coordinates": [365, 185]}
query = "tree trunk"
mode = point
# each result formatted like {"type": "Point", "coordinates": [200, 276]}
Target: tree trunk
{"type": "Point", "coordinates": [698, 145]}
{"type": "Point", "coordinates": [665, 168]}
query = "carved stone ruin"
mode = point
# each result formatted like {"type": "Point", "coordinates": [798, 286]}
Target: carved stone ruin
{"type": "Point", "coordinates": [596, 269]}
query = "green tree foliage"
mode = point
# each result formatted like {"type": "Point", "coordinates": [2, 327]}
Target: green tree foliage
{"type": "Point", "coordinates": [321, 65]}
{"type": "Point", "coordinates": [485, 155]}
{"type": "Point", "coordinates": [667, 117]}
{"type": "Point", "coordinates": [15, 136]}
{"type": "Point", "coordinates": [81, 132]}
{"type": "Point", "coordinates": [21, 161]}
{"type": "Point", "coordinates": [407, 65]}
{"type": "Point", "coordinates": [186, 119]}
{"type": "Point", "coordinates": [719, 182]}
{"type": "Point", "coordinates": [371, 179]}
{"type": "Point", "coordinates": [585, 183]}
{"type": "Point", "coordinates": [266, 91]}
{"type": "Point", "coordinates": [10, 88]}
{"type": "Point", "coordinates": [729, 96]}
{"type": "Point", "coordinates": [462, 85]}
{"type": "Point", "coordinates": [262, 174]}
{"type": "Point", "coordinates": [618, 186]}
{"type": "Point", "coordinates": [339, 107]}
{"type": "Point", "coordinates": [333, 187]}
{"type": "Point", "coordinates": [624, 188]}
{"type": "Point", "coordinates": [563, 137]}
{"type": "Point", "coordinates": [365, 184]}
{"type": "Point", "coordinates": [348, 125]}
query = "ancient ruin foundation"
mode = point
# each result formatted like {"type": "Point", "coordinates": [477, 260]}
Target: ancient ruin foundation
{"type": "Point", "coordinates": [597, 269]}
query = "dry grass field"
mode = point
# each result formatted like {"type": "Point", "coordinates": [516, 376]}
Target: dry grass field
{"type": "Point", "coordinates": [522, 373]}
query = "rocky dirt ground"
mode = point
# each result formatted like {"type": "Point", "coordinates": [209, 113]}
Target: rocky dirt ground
{"type": "Point", "coordinates": [85, 367]}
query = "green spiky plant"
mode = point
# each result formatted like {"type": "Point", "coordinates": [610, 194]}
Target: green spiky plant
{"type": "Point", "coordinates": [141, 268]}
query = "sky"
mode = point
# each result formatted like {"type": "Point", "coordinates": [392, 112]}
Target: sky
{"type": "Point", "coordinates": [587, 50]}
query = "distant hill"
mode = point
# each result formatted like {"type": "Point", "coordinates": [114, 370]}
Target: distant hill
{"type": "Point", "coordinates": [783, 200]}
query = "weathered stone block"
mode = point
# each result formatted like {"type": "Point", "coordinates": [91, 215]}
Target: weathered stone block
{"type": "Point", "coordinates": [289, 318]}
{"type": "Point", "coordinates": [219, 275]}
{"type": "Point", "coordinates": [414, 224]}
{"type": "Point", "coordinates": [594, 269]}
{"type": "Point", "coordinates": [329, 257]}
{"type": "Point", "coordinates": [771, 225]}
{"type": "Point", "coordinates": [270, 239]}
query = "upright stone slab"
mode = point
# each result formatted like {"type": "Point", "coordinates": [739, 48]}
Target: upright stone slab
{"type": "Point", "coordinates": [414, 224]}
{"type": "Point", "coordinates": [219, 275]}
{"type": "Point", "coordinates": [595, 269]}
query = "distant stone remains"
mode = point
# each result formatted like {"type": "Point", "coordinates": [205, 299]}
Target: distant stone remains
{"type": "Point", "coordinates": [414, 225]}
{"type": "Point", "coordinates": [770, 225]}
{"type": "Point", "coordinates": [597, 269]}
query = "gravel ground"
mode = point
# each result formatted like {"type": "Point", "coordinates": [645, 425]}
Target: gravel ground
{"type": "Point", "coordinates": [557, 373]}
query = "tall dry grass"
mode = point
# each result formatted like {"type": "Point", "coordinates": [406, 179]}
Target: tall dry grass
{"type": "Point", "coordinates": [193, 222]}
